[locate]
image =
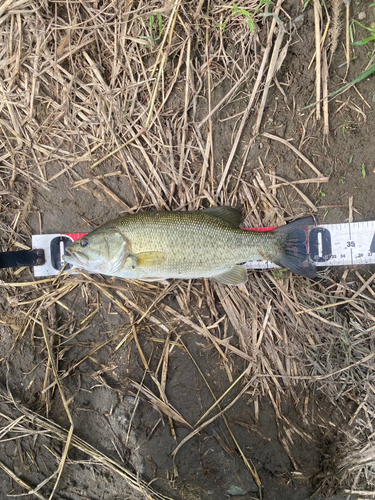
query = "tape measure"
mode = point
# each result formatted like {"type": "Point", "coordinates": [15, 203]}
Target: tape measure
{"type": "Point", "coordinates": [346, 244]}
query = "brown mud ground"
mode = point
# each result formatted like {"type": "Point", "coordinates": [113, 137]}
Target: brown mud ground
{"type": "Point", "coordinates": [140, 364]}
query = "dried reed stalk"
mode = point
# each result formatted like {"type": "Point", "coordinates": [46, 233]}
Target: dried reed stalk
{"type": "Point", "coordinates": [317, 18]}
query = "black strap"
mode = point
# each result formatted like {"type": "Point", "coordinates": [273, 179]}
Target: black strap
{"type": "Point", "coordinates": [22, 258]}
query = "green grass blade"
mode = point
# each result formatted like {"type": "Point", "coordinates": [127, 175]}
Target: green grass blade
{"type": "Point", "coordinates": [359, 78]}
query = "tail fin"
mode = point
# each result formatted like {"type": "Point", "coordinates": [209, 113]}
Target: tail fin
{"type": "Point", "coordinates": [293, 252]}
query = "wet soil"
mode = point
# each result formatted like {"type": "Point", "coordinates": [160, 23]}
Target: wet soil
{"type": "Point", "coordinates": [102, 387]}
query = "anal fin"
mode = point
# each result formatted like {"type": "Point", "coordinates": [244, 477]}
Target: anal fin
{"type": "Point", "coordinates": [237, 275]}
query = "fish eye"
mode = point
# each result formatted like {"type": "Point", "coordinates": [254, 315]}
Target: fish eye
{"type": "Point", "coordinates": [83, 243]}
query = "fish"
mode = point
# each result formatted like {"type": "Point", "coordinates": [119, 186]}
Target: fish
{"type": "Point", "coordinates": [208, 243]}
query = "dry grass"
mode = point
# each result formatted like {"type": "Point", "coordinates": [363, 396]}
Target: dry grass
{"type": "Point", "coordinates": [126, 88]}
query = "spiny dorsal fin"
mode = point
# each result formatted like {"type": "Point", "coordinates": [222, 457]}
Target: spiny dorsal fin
{"type": "Point", "coordinates": [237, 275]}
{"type": "Point", "coordinates": [228, 214]}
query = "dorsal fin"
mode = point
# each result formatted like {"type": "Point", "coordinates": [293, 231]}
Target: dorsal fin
{"type": "Point", "coordinates": [228, 214]}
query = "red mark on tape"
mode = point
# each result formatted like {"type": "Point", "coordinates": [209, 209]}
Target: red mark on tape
{"type": "Point", "coordinates": [260, 229]}
{"type": "Point", "coordinates": [74, 236]}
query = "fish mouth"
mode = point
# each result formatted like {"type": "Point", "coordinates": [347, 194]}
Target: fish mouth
{"type": "Point", "coordinates": [75, 258]}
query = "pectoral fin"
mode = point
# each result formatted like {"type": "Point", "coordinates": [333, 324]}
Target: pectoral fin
{"type": "Point", "coordinates": [149, 260]}
{"type": "Point", "coordinates": [235, 276]}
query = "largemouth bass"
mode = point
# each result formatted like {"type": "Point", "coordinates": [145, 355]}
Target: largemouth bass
{"type": "Point", "coordinates": [204, 244]}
